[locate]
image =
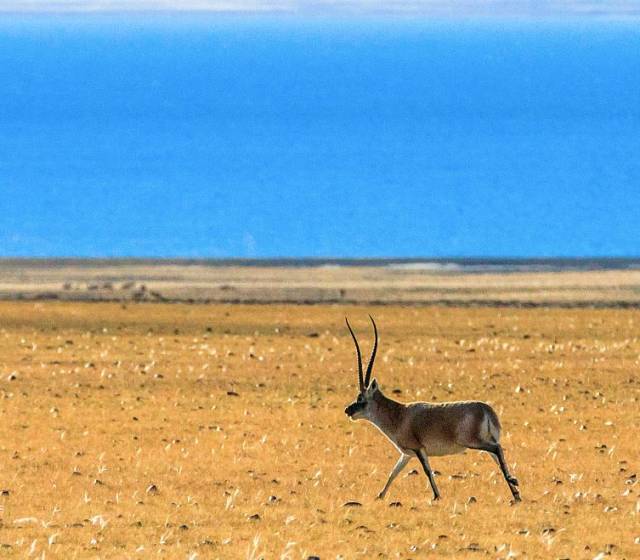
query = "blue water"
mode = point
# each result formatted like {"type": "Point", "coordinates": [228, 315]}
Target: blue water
{"type": "Point", "coordinates": [263, 137]}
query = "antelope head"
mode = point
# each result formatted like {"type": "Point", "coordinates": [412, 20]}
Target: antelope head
{"type": "Point", "coordinates": [361, 407]}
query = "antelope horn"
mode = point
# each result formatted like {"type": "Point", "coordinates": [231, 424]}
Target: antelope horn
{"type": "Point", "coordinates": [355, 340]}
{"type": "Point", "coordinates": [373, 353]}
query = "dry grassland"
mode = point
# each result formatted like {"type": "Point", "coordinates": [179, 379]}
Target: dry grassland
{"type": "Point", "coordinates": [158, 430]}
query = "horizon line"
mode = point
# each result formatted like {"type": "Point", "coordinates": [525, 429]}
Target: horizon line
{"type": "Point", "coordinates": [422, 259]}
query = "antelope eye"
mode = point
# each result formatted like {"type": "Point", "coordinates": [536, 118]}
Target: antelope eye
{"type": "Point", "coordinates": [360, 398]}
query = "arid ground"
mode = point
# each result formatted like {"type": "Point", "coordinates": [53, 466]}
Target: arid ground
{"type": "Point", "coordinates": [143, 430]}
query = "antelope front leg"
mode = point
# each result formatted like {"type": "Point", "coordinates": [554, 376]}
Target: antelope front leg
{"type": "Point", "coordinates": [427, 469]}
{"type": "Point", "coordinates": [401, 464]}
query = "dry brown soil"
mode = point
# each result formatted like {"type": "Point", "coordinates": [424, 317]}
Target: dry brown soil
{"type": "Point", "coordinates": [217, 431]}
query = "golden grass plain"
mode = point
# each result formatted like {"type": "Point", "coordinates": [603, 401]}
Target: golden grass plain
{"type": "Point", "coordinates": [217, 431]}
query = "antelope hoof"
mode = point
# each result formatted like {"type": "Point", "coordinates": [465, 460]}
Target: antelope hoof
{"type": "Point", "coordinates": [380, 496]}
{"type": "Point", "coordinates": [436, 498]}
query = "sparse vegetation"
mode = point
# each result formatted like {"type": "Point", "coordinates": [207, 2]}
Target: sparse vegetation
{"type": "Point", "coordinates": [218, 431]}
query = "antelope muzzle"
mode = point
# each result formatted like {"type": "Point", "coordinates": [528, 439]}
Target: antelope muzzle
{"type": "Point", "coordinates": [354, 408]}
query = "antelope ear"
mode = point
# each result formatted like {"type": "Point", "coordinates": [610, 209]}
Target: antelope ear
{"type": "Point", "coordinates": [373, 386]}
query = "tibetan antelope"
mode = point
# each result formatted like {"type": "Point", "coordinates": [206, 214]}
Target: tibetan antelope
{"type": "Point", "coordinates": [424, 429]}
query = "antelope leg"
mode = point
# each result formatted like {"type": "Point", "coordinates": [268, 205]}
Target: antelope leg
{"type": "Point", "coordinates": [495, 450]}
{"type": "Point", "coordinates": [401, 464]}
{"type": "Point", "coordinates": [427, 469]}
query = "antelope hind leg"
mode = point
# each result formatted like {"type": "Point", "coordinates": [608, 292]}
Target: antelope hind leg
{"type": "Point", "coordinates": [424, 460]}
{"type": "Point", "coordinates": [495, 450]}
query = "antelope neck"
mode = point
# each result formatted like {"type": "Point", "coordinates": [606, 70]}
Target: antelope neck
{"type": "Point", "coordinates": [388, 412]}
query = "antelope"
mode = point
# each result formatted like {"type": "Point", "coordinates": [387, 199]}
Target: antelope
{"type": "Point", "coordinates": [424, 429]}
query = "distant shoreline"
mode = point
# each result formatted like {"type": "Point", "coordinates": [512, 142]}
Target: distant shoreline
{"type": "Point", "coordinates": [438, 264]}
{"type": "Point", "coordinates": [473, 282]}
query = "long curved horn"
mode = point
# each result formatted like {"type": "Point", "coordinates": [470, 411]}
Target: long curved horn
{"type": "Point", "coordinates": [355, 340]}
{"type": "Point", "coordinates": [373, 353]}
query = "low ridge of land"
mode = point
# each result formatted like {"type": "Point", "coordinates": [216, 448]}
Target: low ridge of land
{"type": "Point", "coordinates": [612, 284]}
